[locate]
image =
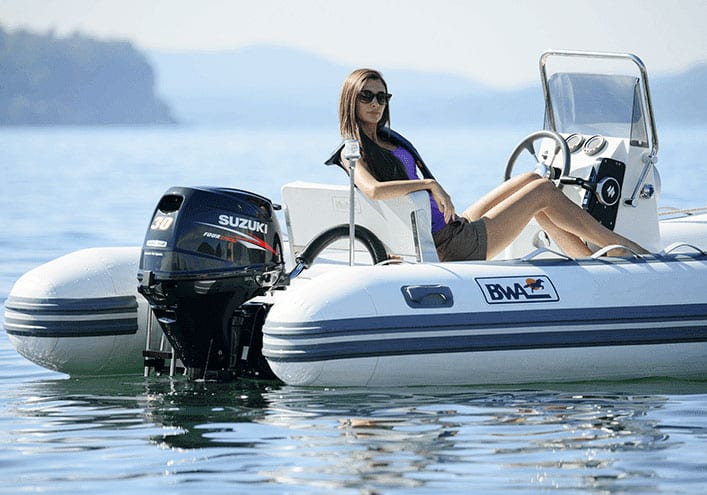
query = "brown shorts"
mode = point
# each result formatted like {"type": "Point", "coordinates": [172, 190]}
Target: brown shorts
{"type": "Point", "coordinates": [461, 240]}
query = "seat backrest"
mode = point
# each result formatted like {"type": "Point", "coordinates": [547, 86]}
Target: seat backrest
{"type": "Point", "coordinates": [402, 224]}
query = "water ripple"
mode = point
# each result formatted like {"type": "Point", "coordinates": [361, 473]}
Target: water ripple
{"type": "Point", "coordinates": [157, 435]}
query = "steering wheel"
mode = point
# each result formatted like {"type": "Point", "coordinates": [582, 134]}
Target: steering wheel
{"type": "Point", "coordinates": [527, 144]}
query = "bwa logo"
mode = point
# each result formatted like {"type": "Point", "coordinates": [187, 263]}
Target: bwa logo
{"type": "Point", "coordinates": [503, 290]}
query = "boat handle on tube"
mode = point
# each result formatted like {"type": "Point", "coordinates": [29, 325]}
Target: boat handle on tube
{"type": "Point", "coordinates": [542, 250]}
{"type": "Point", "coordinates": [428, 296]}
{"type": "Point", "coordinates": [669, 251]}
{"type": "Point", "coordinates": [606, 249]}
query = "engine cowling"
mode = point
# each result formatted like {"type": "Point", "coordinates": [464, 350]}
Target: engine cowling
{"type": "Point", "coordinates": [206, 252]}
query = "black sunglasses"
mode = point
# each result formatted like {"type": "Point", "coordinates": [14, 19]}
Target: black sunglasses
{"type": "Point", "coordinates": [367, 96]}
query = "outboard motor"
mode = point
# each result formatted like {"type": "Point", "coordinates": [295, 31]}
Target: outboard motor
{"type": "Point", "coordinates": [208, 251]}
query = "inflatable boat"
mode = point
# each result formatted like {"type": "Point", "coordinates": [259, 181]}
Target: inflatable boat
{"type": "Point", "coordinates": [354, 294]}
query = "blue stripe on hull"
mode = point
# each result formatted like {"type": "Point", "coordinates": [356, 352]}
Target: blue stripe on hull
{"type": "Point", "coordinates": [553, 329]}
{"type": "Point", "coordinates": [68, 317]}
{"type": "Point", "coordinates": [59, 305]}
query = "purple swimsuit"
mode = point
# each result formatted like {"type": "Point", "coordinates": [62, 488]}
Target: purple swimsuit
{"type": "Point", "coordinates": [411, 168]}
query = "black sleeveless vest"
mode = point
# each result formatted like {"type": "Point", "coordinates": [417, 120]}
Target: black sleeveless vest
{"type": "Point", "coordinates": [382, 163]}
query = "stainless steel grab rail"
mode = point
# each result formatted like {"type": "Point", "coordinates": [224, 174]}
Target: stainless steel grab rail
{"type": "Point", "coordinates": [603, 55]}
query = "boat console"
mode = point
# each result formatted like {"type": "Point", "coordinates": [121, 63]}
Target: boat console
{"type": "Point", "coordinates": [600, 104]}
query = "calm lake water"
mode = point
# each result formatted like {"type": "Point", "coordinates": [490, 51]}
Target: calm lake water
{"type": "Point", "coordinates": [66, 189]}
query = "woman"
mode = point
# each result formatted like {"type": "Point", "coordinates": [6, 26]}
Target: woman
{"type": "Point", "coordinates": [388, 168]}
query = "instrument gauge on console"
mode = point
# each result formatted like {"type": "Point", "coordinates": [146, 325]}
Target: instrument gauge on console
{"type": "Point", "coordinates": [594, 145]}
{"type": "Point", "coordinates": [574, 142]}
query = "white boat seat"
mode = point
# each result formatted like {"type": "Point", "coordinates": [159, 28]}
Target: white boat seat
{"type": "Point", "coordinates": [402, 224]}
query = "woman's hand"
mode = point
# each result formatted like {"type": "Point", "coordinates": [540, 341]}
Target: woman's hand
{"type": "Point", "coordinates": [444, 202]}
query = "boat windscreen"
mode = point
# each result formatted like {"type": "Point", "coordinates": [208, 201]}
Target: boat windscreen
{"type": "Point", "coordinates": [609, 105]}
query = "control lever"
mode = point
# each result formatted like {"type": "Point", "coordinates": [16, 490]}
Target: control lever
{"type": "Point", "coordinates": [606, 190]}
{"type": "Point", "coordinates": [549, 172]}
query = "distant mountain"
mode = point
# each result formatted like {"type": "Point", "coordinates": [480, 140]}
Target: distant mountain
{"type": "Point", "coordinates": [47, 80]}
{"type": "Point", "coordinates": [260, 85]}
{"type": "Point", "coordinates": [76, 80]}
{"type": "Point", "coordinates": [264, 85]}
{"type": "Point", "coordinates": [270, 85]}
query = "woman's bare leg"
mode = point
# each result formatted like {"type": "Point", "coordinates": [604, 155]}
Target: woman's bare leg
{"type": "Point", "coordinates": [506, 219]}
{"type": "Point", "coordinates": [498, 194]}
{"type": "Point", "coordinates": [570, 244]}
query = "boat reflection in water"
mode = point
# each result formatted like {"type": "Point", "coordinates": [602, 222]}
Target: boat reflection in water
{"type": "Point", "coordinates": [240, 433]}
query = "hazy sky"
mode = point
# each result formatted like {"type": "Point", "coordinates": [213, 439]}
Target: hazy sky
{"type": "Point", "coordinates": [495, 42]}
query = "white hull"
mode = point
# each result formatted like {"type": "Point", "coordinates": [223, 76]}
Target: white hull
{"type": "Point", "coordinates": [684, 361]}
{"type": "Point", "coordinates": [597, 320]}
{"type": "Point", "coordinates": [81, 314]}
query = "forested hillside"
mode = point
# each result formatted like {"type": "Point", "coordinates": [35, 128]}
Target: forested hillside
{"type": "Point", "coordinates": [75, 80]}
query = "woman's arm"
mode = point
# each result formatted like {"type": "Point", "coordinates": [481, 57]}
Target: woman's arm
{"type": "Point", "coordinates": [375, 189]}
